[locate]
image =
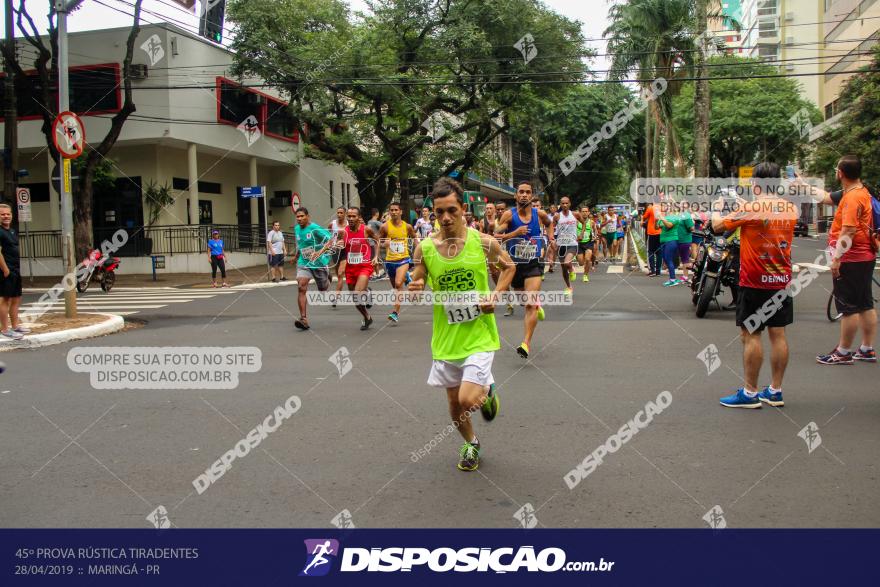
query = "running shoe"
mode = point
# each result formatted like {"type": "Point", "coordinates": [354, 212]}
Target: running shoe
{"type": "Point", "coordinates": [394, 317]}
{"type": "Point", "coordinates": [407, 278]}
{"type": "Point", "coordinates": [740, 400]}
{"type": "Point", "coordinates": [490, 407]}
{"type": "Point", "coordinates": [835, 357]}
{"type": "Point", "coordinates": [509, 310]}
{"type": "Point", "coordinates": [586, 278]}
{"type": "Point", "coordinates": [370, 299]}
{"type": "Point", "coordinates": [213, 285]}
{"type": "Point", "coordinates": [365, 323]}
{"type": "Point", "coordinates": [671, 283]}
{"type": "Point", "coordinates": [333, 301]}
{"type": "Point", "coordinates": [540, 314]}
{"type": "Point", "coordinates": [544, 275]}
{"type": "Point", "coordinates": [283, 279]}
{"type": "Point", "coordinates": [523, 350]}
{"type": "Point", "coordinates": [572, 276]}
{"type": "Point", "coordinates": [868, 356]}
{"type": "Point", "coordinates": [770, 398]}
{"type": "Point", "coordinates": [301, 324]}
{"type": "Point", "coordinates": [567, 291]}
{"type": "Point", "coordinates": [10, 333]}
{"type": "Point", "coordinates": [469, 457]}
{"type": "Point", "coordinates": [22, 329]}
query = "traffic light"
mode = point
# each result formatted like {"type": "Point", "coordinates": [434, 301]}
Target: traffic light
{"type": "Point", "coordinates": [211, 21]}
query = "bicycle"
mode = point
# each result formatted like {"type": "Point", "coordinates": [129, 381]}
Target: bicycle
{"type": "Point", "coordinates": [831, 311]}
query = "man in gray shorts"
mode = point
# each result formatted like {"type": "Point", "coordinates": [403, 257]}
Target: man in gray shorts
{"type": "Point", "coordinates": [312, 242]}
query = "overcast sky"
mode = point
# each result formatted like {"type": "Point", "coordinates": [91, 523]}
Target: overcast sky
{"type": "Point", "coordinates": [593, 15]}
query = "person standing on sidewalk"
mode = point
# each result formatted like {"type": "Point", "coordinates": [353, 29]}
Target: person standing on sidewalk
{"type": "Point", "coordinates": [685, 226]}
{"type": "Point", "coordinates": [766, 233]}
{"type": "Point", "coordinates": [217, 258]}
{"type": "Point", "coordinates": [852, 267]}
{"type": "Point", "coordinates": [10, 281]}
{"type": "Point", "coordinates": [649, 222]}
{"type": "Point", "coordinates": [277, 251]}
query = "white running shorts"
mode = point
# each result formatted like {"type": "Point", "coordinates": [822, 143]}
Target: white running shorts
{"type": "Point", "coordinates": [477, 368]}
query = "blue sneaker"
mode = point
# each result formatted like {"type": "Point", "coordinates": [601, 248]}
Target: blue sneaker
{"type": "Point", "coordinates": [407, 278]}
{"type": "Point", "coordinates": [740, 400]}
{"type": "Point", "coordinates": [771, 399]}
{"type": "Point", "coordinates": [671, 283]}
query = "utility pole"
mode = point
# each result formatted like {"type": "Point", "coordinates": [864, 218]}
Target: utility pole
{"type": "Point", "coordinates": [67, 256]}
{"type": "Point", "coordinates": [10, 173]}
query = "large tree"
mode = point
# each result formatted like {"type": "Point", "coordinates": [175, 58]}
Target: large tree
{"type": "Point", "coordinates": [363, 86]}
{"type": "Point", "coordinates": [43, 88]}
{"type": "Point", "coordinates": [751, 118]}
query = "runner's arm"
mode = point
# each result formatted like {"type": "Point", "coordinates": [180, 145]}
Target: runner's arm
{"type": "Point", "coordinates": [499, 257]}
{"type": "Point", "coordinates": [376, 238]}
{"type": "Point", "coordinates": [503, 225]}
{"type": "Point", "coordinates": [544, 218]}
{"type": "Point", "coordinates": [420, 272]}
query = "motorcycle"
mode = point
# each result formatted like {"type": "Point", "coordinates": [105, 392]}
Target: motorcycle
{"type": "Point", "coordinates": [98, 268]}
{"type": "Point", "coordinates": [716, 266]}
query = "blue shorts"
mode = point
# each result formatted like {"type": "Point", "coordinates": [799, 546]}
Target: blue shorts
{"type": "Point", "coordinates": [391, 267]}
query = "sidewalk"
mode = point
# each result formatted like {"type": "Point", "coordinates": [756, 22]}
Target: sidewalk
{"type": "Point", "coordinates": [256, 274]}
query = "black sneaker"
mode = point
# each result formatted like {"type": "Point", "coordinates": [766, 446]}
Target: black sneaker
{"type": "Point", "coordinates": [365, 323]}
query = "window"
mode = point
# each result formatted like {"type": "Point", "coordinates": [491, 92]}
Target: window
{"type": "Point", "coordinates": [94, 89]}
{"type": "Point", "coordinates": [205, 187]}
{"type": "Point", "coordinates": [39, 191]}
{"type": "Point", "coordinates": [280, 123]}
{"type": "Point", "coordinates": [236, 103]}
{"type": "Point", "coordinates": [206, 212]}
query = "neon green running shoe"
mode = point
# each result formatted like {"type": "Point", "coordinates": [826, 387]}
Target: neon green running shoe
{"type": "Point", "coordinates": [469, 457]}
{"type": "Point", "coordinates": [540, 313]}
{"type": "Point", "coordinates": [489, 409]}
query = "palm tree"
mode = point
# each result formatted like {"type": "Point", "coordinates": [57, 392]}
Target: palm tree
{"type": "Point", "coordinates": [664, 38]}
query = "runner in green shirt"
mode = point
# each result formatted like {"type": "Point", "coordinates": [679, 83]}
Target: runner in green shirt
{"type": "Point", "coordinates": [585, 242]}
{"type": "Point", "coordinates": [312, 242]}
{"type": "Point", "coordinates": [465, 336]}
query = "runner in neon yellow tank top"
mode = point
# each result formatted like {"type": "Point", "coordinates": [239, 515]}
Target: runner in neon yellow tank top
{"type": "Point", "coordinates": [394, 237]}
{"type": "Point", "coordinates": [465, 337]}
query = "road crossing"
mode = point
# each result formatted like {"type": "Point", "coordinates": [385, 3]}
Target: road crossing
{"type": "Point", "coordinates": [128, 301]}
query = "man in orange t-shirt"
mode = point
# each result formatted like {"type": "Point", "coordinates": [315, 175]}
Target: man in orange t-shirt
{"type": "Point", "coordinates": [852, 245]}
{"type": "Point", "coordinates": [764, 300]}
{"type": "Point", "coordinates": [649, 221]}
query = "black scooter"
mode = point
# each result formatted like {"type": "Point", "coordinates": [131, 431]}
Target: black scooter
{"type": "Point", "coordinates": [716, 265]}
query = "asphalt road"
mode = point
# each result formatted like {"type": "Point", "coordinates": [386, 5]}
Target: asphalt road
{"type": "Point", "coordinates": [75, 456]}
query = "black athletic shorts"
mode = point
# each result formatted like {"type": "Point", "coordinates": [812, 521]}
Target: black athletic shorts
{"type": "Point", "coordinates": [534, 268]}
{"type": "Point", "coordinates": [566, 250]}
{"type": "Point", "coordinates": [756, 310]}
{"type": "Point", "coordinates": [10, 286]}
{"type": "Point", "coordinates": [583, 247]}
{"type": "Point", "coordinates": [852, 290]}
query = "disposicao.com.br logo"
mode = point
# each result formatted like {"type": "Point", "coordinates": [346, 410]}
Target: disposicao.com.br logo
{"type": "Point", "coordinates": [442, 560]}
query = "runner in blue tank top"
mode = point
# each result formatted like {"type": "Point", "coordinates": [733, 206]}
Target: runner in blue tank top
{"type": "Point", "coordinates": [520, 230]}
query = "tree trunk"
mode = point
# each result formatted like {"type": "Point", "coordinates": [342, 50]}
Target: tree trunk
{"type": "Point", "coordinates": [655, 162]}
{"type": "Point", "coordinates": [649, 140]}
{"type": "Point", "coordinates": [404, 187]}
{"type": "Point", "coordinates": [702, 99]}
{"type": "Point", "coordinates": [82, 213]}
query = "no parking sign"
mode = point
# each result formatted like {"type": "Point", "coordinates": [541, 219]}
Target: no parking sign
{"type": "Point", "coordinates": [295, 202]}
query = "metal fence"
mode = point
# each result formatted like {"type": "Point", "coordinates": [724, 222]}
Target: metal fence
{"type": "Point", "coordinates": [158, 240]}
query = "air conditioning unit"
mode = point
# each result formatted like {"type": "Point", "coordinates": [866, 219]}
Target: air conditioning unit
{"type": "Point", "coordinates": [138, 71]}
{"type": "Point", "coordinates": [256, 99]}
{"type": "Point", "coordinates": [789, 67]}
{"type": "Point", "coordinates": [789, 16]}
{"type": "Point", "coordinates": [281, 202]}
{"type": "Point", "coordinates": [789, 40]}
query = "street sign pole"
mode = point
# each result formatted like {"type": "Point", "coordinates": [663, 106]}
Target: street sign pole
{"type": "Point", "coordinates": [266, 225]}
{"type": "Point", "coordinates": [67, 256]}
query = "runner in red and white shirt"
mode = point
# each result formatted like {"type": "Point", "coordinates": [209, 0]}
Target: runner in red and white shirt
{"type": "Point", "coordinates": [357, 244]}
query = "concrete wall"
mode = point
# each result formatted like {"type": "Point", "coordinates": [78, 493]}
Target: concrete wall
{"type": "Point", "coordinates": [185, 263]}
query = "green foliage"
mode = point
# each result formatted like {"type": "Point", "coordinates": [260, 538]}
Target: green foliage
{"type": "Point", "coordinates": [859, 130]}
{"type": "Point", "coordinates": [104, 173]}
{"type": "Point", "coordinates": [158, 198]}
{"type": "Point", "coordinates": [750, 118]}
{"type": "Point", "coordinates": [365, 84]}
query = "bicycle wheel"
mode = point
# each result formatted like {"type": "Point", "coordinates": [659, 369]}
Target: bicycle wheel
{"type": "Point", "coordinates": [831, 310]}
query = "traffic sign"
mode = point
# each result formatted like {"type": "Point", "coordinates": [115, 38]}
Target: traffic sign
{"type": "Point", "coordinates": [23, 198]}
{"type": "Point", "coordinates": [253, 191]}
{"type": "Point", "coordinates": [295, 202]}
{"type": "Point", "coordinates": [55, 178]}
{"type": "Point", "coordinates": [69, 135]}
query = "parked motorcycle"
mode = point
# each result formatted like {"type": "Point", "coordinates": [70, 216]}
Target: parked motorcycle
{"type": "Point", "coordinates": [98, 268]}
{"type": "Point", "coordinates": [716, 266]}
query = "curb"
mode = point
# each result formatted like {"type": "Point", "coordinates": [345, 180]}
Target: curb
{"type": "Point", "coordinates": [113, 323]}
{"type": "Point", "coordinates": [642, 264]}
